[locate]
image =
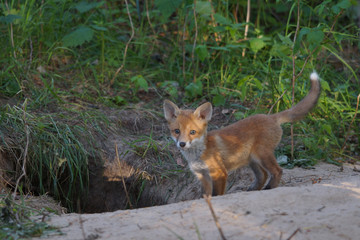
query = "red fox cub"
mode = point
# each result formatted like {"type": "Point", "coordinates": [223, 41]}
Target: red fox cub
{"type": "Point", "coordinates": [251, 141]}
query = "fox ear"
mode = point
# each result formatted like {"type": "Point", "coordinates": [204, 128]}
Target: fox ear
{"type": "Point", "coordinates": [204, 111]}
{"type": "Point", "coordinates": [171, 111]}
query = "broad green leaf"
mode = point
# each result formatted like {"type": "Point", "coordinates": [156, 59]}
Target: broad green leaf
{"type": "Point", "coordinates": [84, 6]}
{"type": "Point", "coordinates": [167, 7]}
{"type": "Point", "coordinates": [140, 82]}
{"type": "Point", "coordinates": [280, 50]}
{"type": "Point", "coordinates": [118, 100]}
{"type": "Point", "coordinates": [325, 86]}
{"type": "Point", "coordinates": [194, 89]}
{"type": "Point", "coordinates": [327, 128]}
{"type": "Point", "coordinates": [244, 79]}
{"type": "Point", "coordinates": [78, 37]}
{"type": "Point", "coordinates": [285, 39]}
{"type": "Point", "coordinates": [320, 8]}
{"type": "Point", "coordinates": [258, 83]}
{"type": "Point", "coordinates": [256, 44]}
{"type": "Point", "coordinates": [221, 19]}
{"type": "Point", "coordinates": [203, 8]}
{"type": "Point", "coordinates": [315, 38]}
{"type": "Point", "coordinates": [239, 115]}
{"type": "Point", "coordinates": [202, 52]}
{"type": "Point", "coordinates": [170, 87]}
{"type": "Point", "coordinates": [299, 38]}
{"type": "Point", "coordinates": [99, 28]}
{"type": "Point", "coordinates": [220, 48]}
{"type": "Point", "coordinates": [9, 18]}
{"type": "Point", "coordinates": [345, 4]}
{"type": "Point", "coordinates": [218, 100]}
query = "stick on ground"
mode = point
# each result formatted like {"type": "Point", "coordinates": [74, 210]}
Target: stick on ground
{"type": "Point", "coordinates": [208, 201]}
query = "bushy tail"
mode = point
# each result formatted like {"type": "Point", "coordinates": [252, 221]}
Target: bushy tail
{"type": "Point", "coordinates": [300, 110]}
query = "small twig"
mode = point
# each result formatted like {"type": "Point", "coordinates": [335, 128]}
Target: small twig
{"type": "Point", "coordinates": [148, 18]}
{"type": "Point", "coordinates": [247, 24]}
{"type": "Point", "coordinates": [183, 48]}
{"type": "Point", "coordinates": [352, 121]}
{"type": "Point", "coordinates": [122, 177]}
{"type": "Point", "coordinates": [194, 45]}
{"type": "Point", "coordinates": [82, 227]}
{"type": "Point", "coordinates": [277, 101]}
{"type": "Point", "coordinates": [208, 201]}
{"type": "Point", "coordinates": [11, 31]}
{"type": "Point", "coordinates": [127, 44]}
{"type": "Point", "coordinates": [25, 150]}
{"type": "Point", "coordinates": [31, 54]}
{"type": "Point", "coordinates": [294, 78]}
{"type": "Point", "coordinates": [213, 22]}
{"type": "Point", "coordinates": [292, 235]}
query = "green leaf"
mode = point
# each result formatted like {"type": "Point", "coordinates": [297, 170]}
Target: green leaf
{"type": "Point", "coordinates": [203, 8]}
{"type": "Point", "coordinates": [256, 44]}
{"type": "Point", "coordinates": [325, 86]}
{"type": "Point", "coordinates": [258, 83]}
{"type": "Point", "coordinates": [167, 7]}
{"type": "Point", "coordinates": [327, 128]}
{"type": "Point", "coordinates": [194, 89]}
{"type": "Point", "coordinates": [243, 80]}
{"type": "Point", "coordinates": [315, 38]}
{"type": "Point", "coordinates": [299, 38]}
{"type": "Point", "coordinates": [280, 50]}
{"type": "Point", "coordinates": [202, 52]}
{"type": "Point", "coordinates": [221, 19]}
{"type": "Point", "coordinates": [285, 39]}
{"type": "Point", "coordinates": [118, 100]}
{"type": "Point", "coordinates": [170, 87]}
{"type": "Point", "coordinates": [320, 8]}
{"type": "Point", "coordinates": [140, 82]}
{"type": "Point", "coordinates": [218, 100]}
{"type": "Point", "coordinates": [78, 37]}
{"type": "Point", "coordinates": [84, 6]}
{"type": "Point", "coordinates": [99, 28]}
{"type": "Point", "coordinates": [9, 18]}
{"type": "Point", "coordinates": [345, 4]}
{"type": "Point", "coordinates": [239, 115]}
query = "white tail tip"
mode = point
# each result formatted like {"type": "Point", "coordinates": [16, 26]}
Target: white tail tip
{"type": "Point", "coordinates": [314, 76]}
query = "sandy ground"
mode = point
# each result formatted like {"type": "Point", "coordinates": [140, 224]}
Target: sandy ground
{"type": "Point", "coordinates": [320, 203]}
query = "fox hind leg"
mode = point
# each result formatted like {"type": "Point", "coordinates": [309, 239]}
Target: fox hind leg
{"type": "Point", "coordinates": [269, 163]}
{"type": "Point", "coordinates": [261, 176]}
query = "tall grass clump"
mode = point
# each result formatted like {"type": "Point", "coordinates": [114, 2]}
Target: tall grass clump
{"type": "Point", "coordinates": [57, 161]}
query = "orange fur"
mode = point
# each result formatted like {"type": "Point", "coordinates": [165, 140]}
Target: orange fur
{"type": "Point", "coordinates": [250, 141]}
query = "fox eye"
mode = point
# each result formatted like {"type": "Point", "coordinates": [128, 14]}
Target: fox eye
{"type": "Point", "coordinates": [177, 131]}
{"type": "Point", "coordinates": [192, 132]}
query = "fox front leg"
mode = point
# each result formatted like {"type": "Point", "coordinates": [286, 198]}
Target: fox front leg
{"type": "Point", "coordinates": [204, 177]}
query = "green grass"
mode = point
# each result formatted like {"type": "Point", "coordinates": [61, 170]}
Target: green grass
{"type": "Point", "coordinates": [58, 160]}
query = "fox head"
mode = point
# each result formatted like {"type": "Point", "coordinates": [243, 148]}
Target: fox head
{"type": "Point", "coordinates": [187, 127]}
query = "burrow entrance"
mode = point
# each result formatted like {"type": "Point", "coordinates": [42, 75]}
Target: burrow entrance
{"type": "Point", "coordinates": [145, 170]}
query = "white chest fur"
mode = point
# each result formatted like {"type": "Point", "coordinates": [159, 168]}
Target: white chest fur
{"type": "Point", "coordinates": [193, 156]}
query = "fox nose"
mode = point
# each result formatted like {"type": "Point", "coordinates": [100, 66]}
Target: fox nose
{"type": "Point", "coordinates": [182, 144]}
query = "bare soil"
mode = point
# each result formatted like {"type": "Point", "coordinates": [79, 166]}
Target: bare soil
{"type": "Point", "coordinates": [318, 203]}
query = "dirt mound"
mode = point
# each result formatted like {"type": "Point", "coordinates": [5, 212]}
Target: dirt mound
{"type": "Point", "coordinates": [322, 203]}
